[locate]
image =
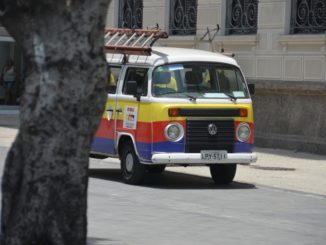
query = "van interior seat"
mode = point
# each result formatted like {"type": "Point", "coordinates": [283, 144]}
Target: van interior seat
{"type": "Point", "coordinates": [160, 81]}
{"type": "Point", "coordinates": [193, 81]}
{"type": "Point", "coordinates": [224, 83]}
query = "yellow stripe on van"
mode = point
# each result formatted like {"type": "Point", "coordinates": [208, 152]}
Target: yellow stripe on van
{"type": "Point", "coordinates": [155, 112]}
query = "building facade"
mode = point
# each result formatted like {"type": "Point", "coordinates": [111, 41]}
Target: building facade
{"type": "Point", "coordinates": [280, 45]}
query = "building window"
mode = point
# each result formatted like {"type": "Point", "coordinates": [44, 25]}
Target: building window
{"type": "Point", "coordinates": [241, 17]}
{"type": "Point", "coordinates": [183, 17]}
{"type": "Point", "coordinates": [308, 16]}
{"type": "Point", "coordinates": [130, 14]}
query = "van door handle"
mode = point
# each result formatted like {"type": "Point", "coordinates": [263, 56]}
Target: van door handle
{"type": "Point", "coordinates": [109, 112]}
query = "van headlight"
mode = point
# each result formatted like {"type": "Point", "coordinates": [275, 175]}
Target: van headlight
{"type": "Point", "coordinates": [243, 132]}
{"type": "Point", "coordinates": [174, 132]}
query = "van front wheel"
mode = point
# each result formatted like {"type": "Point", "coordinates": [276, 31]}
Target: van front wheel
{"type": "Point", "coordinates": [223, 174]}
{"type": "Point", "coordinates": [132, 170]}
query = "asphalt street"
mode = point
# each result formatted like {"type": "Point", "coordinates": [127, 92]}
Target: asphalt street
{"type": "Point", "coordinates": [179, 208]}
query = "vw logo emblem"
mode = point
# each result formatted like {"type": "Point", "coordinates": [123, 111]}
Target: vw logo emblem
{"type": "Point", "coordinates": [212, 129]}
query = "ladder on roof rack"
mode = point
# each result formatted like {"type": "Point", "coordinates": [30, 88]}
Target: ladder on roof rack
{"type": "Point", "coordinates": [131, 41]}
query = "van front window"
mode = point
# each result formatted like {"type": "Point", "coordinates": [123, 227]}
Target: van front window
{"type": "Point", "coordinates": [198, 80]}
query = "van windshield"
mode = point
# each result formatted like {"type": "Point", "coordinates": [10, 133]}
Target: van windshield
{"type": "Point", "coordinates": [198, 80]}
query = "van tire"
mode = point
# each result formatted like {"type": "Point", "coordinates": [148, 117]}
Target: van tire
{"type": "Point", "coordinates": [223, 174]}
{"type": "Point", "coordinates": [132, 170]}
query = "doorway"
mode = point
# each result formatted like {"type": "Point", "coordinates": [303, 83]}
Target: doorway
{"type": "Point", "coordinates": [9, 51]}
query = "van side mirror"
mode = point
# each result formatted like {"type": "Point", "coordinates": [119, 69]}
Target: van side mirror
{"type": "Point", "coordinates": [252, 89]}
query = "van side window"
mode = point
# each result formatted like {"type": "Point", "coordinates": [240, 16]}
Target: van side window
{"type": "Point", "coordinates": [113, 79]}
{"type": "Point", "coordinates": [140, 76]}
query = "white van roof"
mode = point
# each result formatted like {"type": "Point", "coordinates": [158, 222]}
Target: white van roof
{"type": "Point", "coordinates": [163, 55]}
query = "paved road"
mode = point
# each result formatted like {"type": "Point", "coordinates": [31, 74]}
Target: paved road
{"type": "Point", "coordinates": [179, 208]}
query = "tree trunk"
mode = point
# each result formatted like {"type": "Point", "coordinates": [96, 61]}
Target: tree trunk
{"type": "Point", "coordinates": [44, 185]}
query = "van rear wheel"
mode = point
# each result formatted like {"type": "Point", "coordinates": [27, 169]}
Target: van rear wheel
{"type": "Point", "coordinates": [223, 174]}
{"type": "Point", "coordinates": [132, 170]}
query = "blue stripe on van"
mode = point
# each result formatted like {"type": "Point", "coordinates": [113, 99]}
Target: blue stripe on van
{"type": "Point", "coordinates": [241, 147]}
{"type": "Point", "coordinates": [102, 145]}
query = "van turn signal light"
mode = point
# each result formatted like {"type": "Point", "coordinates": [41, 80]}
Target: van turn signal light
{"type": "Point", "coordinates": [243, 113]}
{"type": "Point", "coordinates": [174, 112]}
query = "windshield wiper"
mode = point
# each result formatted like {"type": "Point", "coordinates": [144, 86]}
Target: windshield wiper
{"type": "Point", "coordinates": [192, 98]}
{"type": "Point", "coordinates": [231, 96]}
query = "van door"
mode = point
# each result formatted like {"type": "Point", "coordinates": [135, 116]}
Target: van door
{"type": "Point", "coordinates": [132, 121]}
{"type": "Point", "coordinates": [105, 137]}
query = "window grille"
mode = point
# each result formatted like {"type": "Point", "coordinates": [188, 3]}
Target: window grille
{"type": "Point", "coordinates": [183, 17]}
{"type": "Point", "coordinates": [308, 16]}
{"type": "Point", "coordinates": [241, 18]}
{"type": "Point", "coordinates": [130, 14]}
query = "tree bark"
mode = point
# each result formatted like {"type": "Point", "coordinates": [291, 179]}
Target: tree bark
{"type": "Point", "coordinates": [44, 185]}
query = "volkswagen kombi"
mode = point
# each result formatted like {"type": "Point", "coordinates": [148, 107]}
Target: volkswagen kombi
{"type": "Point", "coordinates": [177, 107]}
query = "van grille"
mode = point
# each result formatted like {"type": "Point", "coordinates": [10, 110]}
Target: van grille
{"type": "Point", "coordinates": [198, 137]}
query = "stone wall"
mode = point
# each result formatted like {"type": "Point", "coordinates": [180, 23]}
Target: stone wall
{"type": "Point", "coordinates": [290, 115]}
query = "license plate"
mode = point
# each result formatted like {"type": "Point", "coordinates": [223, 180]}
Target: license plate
{"type": "Point", "coordinates": [214, 155]}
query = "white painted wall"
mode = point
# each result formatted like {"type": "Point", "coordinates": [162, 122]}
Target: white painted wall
{"type": "Point", "coordinates": [271, 54]}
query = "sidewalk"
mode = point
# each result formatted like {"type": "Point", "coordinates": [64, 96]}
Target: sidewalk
{"type": "Point", "coordinates": [9, 116]}
{"type": "Point", "coordinates": [275, 168]}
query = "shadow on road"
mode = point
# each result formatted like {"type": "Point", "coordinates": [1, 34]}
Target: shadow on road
{"type": "Point", "coordinates": [102, 241]}
{"type": "Point", "coordinates": [169, 180]}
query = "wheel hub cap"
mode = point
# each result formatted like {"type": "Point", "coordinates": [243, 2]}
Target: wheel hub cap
{"type": "Point", "coordinates": [129, 162]}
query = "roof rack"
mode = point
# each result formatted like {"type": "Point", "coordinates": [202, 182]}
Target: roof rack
{"type": "Point", "coordinates": [131, 41]}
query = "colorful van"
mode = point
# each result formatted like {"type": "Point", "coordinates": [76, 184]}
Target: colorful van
{"type": "Point", "coordinates": [177, 107]}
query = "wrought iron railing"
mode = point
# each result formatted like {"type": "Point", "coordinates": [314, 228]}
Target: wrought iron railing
{"type": "Point", "coordinates": [183, 17]}
{"type": "Point", "coordinates": [241, 17]}
{"type": "Point", "coordinates": [130, 14]}
{"type": "Point", "coordinates": [308, 16]}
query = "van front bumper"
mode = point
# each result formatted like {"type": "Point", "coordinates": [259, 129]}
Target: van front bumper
{"type": "Point", "coordinates": [196, 159]}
